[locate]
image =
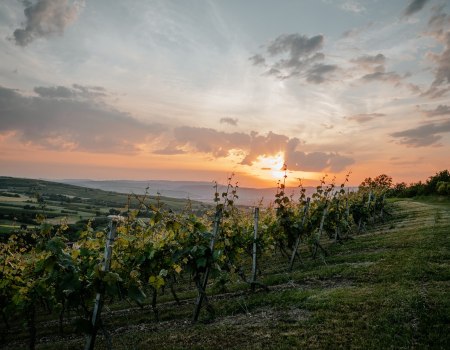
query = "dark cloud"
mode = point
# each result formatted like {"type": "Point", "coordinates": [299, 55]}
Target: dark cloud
{"type": "Point", "coordinates": [228, 120]}
{"type": "Point", "coordinates": [258, 60]}
{"type": "Point", "coordinates": [320, 72]}
{"type": "Point", "coordinates": [415, 6]}
{"type": "Point", "coordinates": [208, 140]}
{"type": "Point", "coordinates": [423, 135]}
{"type": "Point", "coordinates": [274, 71]}
{"type": "Point", "coordinates": [314, 161]}
{"type": "Point", "coordinates": [439, 29]}
{"type": "Point", "coordinates": [54, 92]}
{"type": "Point", "coordinates": [374, 65]}
{"type": "Point", "coordinates": [89, 91]}
{"type": "Point", "coordinates": [442, 74]}
{"type": "Point", "coordinates": [369, 62]}
{"type": "Point", "coordinates": [435, 92]}
{"type": "Point", "coordinates": [78, 91]}
{"type": "Point", "coordinates": [253, 145]}
{"type": "Point", "coordinates": [390, 77]}
{"type": "Point", "coordinates": [440, 110]}
{"type": "Point", "coordinates": [363, 118]}
{"type": "Point", "coordinates": [46, 17]}
{"type": "Point", "coordinates": [295, 55]}
{"type": "Point", "coordinates": [295, 45]}
{"type": "Point", "coordinates": [58, 122]}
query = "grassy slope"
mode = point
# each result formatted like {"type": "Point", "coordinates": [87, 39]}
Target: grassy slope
{"type": "Point", "coordinates": [90, 201]}
{"type": "Point", "coordinates": [388, 288]}
{"type": "Point", "coordinates": [18, 185]}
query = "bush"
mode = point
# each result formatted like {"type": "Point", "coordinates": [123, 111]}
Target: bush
{"type": "Point", "coordinates": [443, 188]}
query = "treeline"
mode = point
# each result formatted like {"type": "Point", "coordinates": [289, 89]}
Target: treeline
{"type": "Point", "coordinates": [438, 184]}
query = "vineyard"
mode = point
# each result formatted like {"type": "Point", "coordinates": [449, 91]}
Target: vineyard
{"type": "Point", "coordinates": [154, 269]}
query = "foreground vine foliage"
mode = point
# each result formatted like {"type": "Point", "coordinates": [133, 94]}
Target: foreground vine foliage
{"type": "Point", "coordinates": [42, 272]}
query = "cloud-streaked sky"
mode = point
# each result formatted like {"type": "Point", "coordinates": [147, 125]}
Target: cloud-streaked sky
{"type": "Point", "coordinates": [197, 89]}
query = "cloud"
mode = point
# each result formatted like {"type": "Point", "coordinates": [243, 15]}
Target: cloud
{"type": "Point", "coordinates": [438, 111]}
{"type": "Point", "coordinates": [314, 161]}
{"type": "Point", "coordinates": [435, 92]}
{"type": "Point", "coordinates": [169, 150]}
{"type": "Point", "coordinates": [374, 66]}
{"type": "Point", "coordinates": [423, 135]}
{"type": "Point", "coordinates": [363, 118]}
{"type": "Point", "coordinates": [295, 45]}
{"type": "Point", "coordinates": [327, 126]}
{"type": "Point", "coordinates": [257, 60]}
{"type": "Point", "coordinates": [54, 92]}
{"type": "Point", "coordinates": [295, 55]}
{"type": "Point", "coordinates": [439, 29]}
{"type": "Point", "coordinates": [261, 145]}
{"type": "Point", "coordinates": [208, 140]}
{"type": "Point", "coordinates": [320, 72]}
{"type": "Point", "coordinates": [369, 62]}
{"type": "Point", "coordinates": [415, 6]}
{"type": "Point", "coordinates": [89, 92]}
{"type": "Point", "coordinates": [352, 6]}
{"type": "Point", "coordinates": [252, 146]}
{"type": "Point", "coordinates": [442, 73]}
{"type": "Point", "coordinates": [354, 32]}
{"type": "Point", "coordinates": [390, 77]}
{"type": "Point", "coordinates": [45, 18]}
{"type": "Point", "coordinates": [228, 120]}
{"type": "Point", "coordinates": [61, 121]}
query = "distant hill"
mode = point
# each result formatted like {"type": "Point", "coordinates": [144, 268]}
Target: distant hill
{"type": "Point", "coordinates": [106, 195]}
{"type": "Point", "coordinates": [194, 190]}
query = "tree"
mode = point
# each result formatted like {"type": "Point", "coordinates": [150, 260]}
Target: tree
{"type": "Point", "coordinates": [382, 182]}
{"type": "Point", "coordinates": [399, 190]}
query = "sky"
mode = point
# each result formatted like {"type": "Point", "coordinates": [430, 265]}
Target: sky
{"type": "Point", "coordinates": [201, 89]}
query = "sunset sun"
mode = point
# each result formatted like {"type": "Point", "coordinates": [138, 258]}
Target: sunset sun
{"type": "Point", "coordinates": [271, 167]}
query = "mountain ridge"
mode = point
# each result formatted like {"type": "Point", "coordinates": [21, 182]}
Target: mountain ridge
{"type": "Point", "coordinates": [196, 190]}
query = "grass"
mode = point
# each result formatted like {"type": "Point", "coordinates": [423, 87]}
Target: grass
{"type": "Point", "coordinates": [386, 288]}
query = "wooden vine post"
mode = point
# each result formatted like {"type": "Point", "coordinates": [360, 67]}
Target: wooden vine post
{"type": "Point", "coordinates": [374, 207]}
{"type": "Point", "coordinates": [322, 222]}
{"type": "Point", "coordinates": [96, 314]}
{"type": "Point", "coordinates": [201, 287]}
{"type": "Point", "coordinates": [255, 248]}
{"type": "Point", "coordinates": [253, 282]}
{"type": "Point", "coordinates": [382, 207]}
{"type": "Point", "coordinates": [347, 212]}
{"type": "Point", "coordinates": [367, 207]}
{"type": "Point", "coordinates": [297, 241]}
{"type": "Point", "coordinates": [347, 207]}
{"type": "Point", "coordinates": [337, 235]}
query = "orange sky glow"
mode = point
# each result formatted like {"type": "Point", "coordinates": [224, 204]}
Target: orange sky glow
{"type": "Point", "coordinates": [160, 90]}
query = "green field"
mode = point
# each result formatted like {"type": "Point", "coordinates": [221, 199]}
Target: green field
{"type": "Point", "coordinates": [386, 288]}
{"type": "Point", "coordinates": [66, 203]}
